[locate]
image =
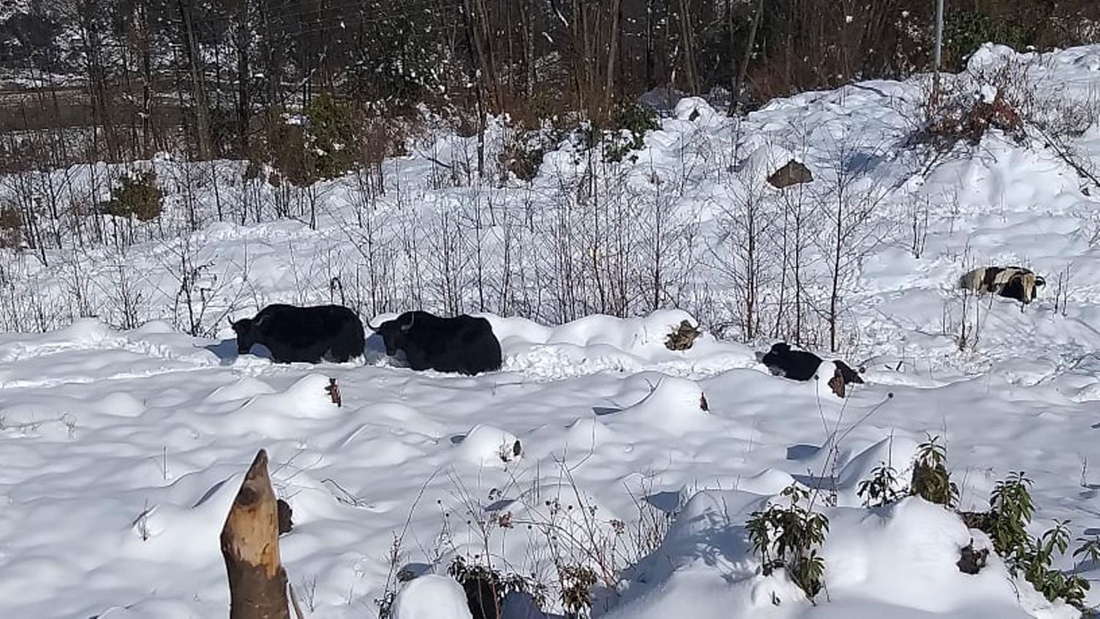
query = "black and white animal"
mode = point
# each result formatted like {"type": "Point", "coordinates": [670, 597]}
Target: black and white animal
{"type": "Point", "coordinates": [463, 344]}
{"type": "Point", "coordinates": [802, 365]}
{"type": "Point", "coordinates": [310, 334]}
{"type": "Point", "coordinates": [1012, 282]}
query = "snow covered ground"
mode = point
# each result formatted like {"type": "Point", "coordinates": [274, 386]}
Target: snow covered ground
{"type": "Point", "coordinates": [120, 450]}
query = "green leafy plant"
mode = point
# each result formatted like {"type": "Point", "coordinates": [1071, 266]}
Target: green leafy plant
{"type": "Point", "coordinates": [1053, 583]}
{"type": "Point", "coordinates": [931, 481]}
{"type": "Point", "coordinates": [317, 144]}
{"type": "Point", "coordinates": [1088, 550]}
{"type": "Point", "coordinates": [329, 137]}
{"type": "Point", "coordinates": [1011, 509]}
{"type": "Point", "coordinates": [628, 126]}
{"type": "Point", "coordinates": [1010, 512]}
{"type": "Point", "coordinates": [881, 488]}
{"type": "Point", "coordinates": [787, 537]}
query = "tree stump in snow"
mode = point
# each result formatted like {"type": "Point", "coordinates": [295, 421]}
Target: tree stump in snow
{"type": "Point", "coordinates": [250, 546]}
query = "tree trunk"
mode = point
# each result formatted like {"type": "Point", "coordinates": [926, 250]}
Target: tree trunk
{"type": "Point", "coordinates": [612, 48]}
{"type": "Point", "coordinates": [687, 45]}
{"type": "Point", "coordinates": [244, 105]}
{"type": "Point", "coordinates": [650, 53]}
{"type": "Point", "coordinates": [198, 84]}
{"type": "Point", "coordinates": [479, 98]}
{"type": "Point", "coordinates": [743, 70]}
{"type": "Point", "coordinates": [250, 546]}
{"type": "Point", "coordinates": [527, 22]}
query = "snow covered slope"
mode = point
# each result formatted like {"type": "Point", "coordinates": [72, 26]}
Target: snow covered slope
{"type": "Point", "coordinates": [120, 450]}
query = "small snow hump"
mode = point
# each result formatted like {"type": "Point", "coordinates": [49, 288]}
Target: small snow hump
{"type": "Point", "coordinates": [431, 596]}
{"type": "Point", "coordinates": [1012, 282]}
{"type": "Point", "coordinates": [484, 444]}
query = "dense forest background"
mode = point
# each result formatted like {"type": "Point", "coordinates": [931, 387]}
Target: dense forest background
{"type": "Point", "coordinates": [119, 80]}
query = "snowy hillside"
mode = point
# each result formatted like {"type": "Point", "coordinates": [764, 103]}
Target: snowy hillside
{"type": "Point", "coordinates": [123, 437]}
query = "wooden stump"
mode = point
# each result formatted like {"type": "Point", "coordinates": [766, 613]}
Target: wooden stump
{"type": "Point", "coordinates": [250, 546]}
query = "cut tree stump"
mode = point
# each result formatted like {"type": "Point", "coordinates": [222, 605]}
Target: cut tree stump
{"type": "Point", "coordinates": [250, 546]}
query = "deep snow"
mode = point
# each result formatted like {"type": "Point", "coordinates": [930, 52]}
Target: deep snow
{"type": "Point", "coordinates": [121, 450]}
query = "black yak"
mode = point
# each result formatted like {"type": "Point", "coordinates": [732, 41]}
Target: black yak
{"type": "Point", "coordinates": [310, 334]}
{"type": "Point", "coordinates": [463, 344]}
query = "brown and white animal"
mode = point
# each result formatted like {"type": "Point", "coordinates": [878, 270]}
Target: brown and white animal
{"type": "Point", "coordinates": [783, 361]}
{"type": "Point", "coordinates": [1012, 282]}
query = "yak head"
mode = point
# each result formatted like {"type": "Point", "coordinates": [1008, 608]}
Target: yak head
{"type": "Point", "coordinates": [395, 333]}
{"type": "Point", "coordinates": [1023, 286]}
{"type": "Point", "coordinates": [777, 354]}
{"type": "Point", "coordinates": [247, 335]}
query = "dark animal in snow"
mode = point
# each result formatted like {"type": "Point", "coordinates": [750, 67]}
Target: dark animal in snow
{"type": "Point", "coordinates": [463, 344]}
{"type": "Point", "coordinates": [310, 334]}
{"type": "Point", "coordinates": [801, 365]}
{"type": "Point", "coordinates": [1013, 282]}
{"type": "Point", "coordinates": [285, 516]}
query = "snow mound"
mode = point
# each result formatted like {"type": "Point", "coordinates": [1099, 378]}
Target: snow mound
{"type": "Point", "coordinates": [82, 334]}
{"type": "Point", "coordinates": [764, 161]}
{"type": "Point", "coordinates": [431, 596]}
{"type": "Point", "coordinates": [697, 110]}
{"type": "Point", "coordinates": [485, 445]}
{"type": "Point", "coordinates": [642, 336]}
{"type": "Point", "coordinates": [587, 434]}
{"type": "Point", "coordinates": [907, 556]}
{"type": "Point", "coordinates": [120, 403]}
{"type": "Point", "coordinates": [675, 405]}
{"type": "Point", "coordinates": [407, 418]}
{"type": "Point", "coordinates": [307, 397]}
{"type": "Point", "coordinates": [601, 343]}
{"type": "Point", "coordinates": [898, 561]}
{"type": "Point", "coordinates": [243, 388]}
{"type": "Point", "coordinates": [766, 482]}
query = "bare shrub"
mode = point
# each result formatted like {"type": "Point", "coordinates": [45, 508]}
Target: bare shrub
{"type": "Point", "coordinates": [967, 116]}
